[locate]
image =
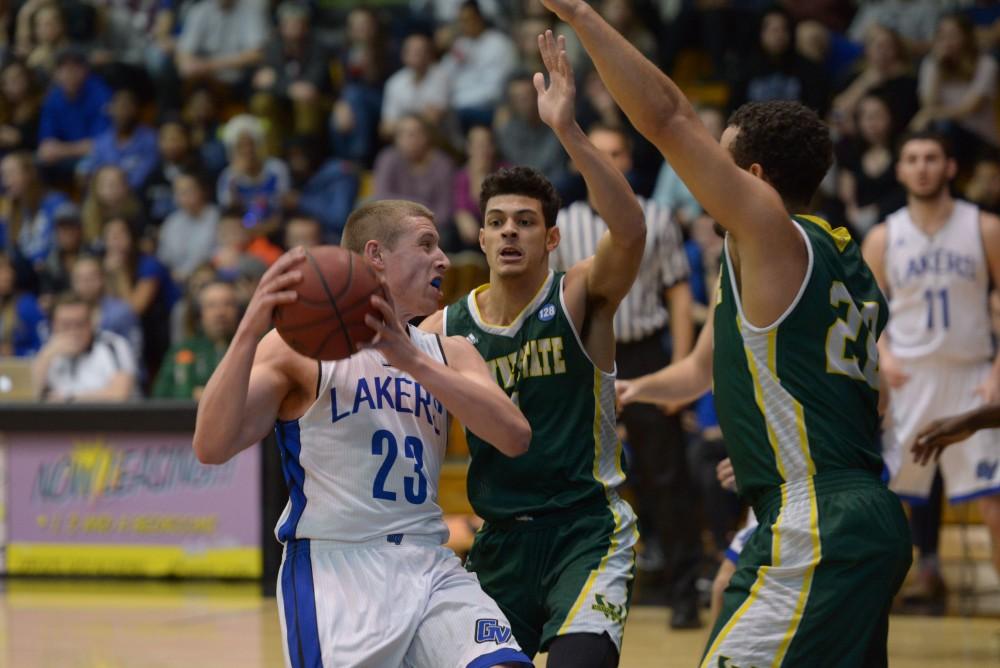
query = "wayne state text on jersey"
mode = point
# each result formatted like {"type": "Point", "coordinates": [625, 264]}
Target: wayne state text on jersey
{"type": "Point", "coordinates": [539, 357]}
{"type": "Point", "coordinates": [389, 393]}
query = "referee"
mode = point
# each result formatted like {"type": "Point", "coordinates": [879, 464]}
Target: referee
{"type": "Point", "coordinates": [659, 298]}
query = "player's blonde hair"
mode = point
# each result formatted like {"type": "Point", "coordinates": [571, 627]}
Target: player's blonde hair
{"type": "Point", "coordinates": [382, 221]}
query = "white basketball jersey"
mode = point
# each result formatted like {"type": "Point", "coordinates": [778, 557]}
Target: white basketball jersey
{"type": "Point", "coordinates": [365, 459]}
{"type": "Point", "coordinates": [938, 287]}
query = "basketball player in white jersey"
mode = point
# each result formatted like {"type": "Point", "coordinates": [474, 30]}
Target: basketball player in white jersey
{"type": "Point", "coordinates": [934, 259]}
{"type": "Point", "coordinates": [365, 580]}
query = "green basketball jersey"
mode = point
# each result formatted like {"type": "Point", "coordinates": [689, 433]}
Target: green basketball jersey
{"type": "Point", "coordinates": [575, 456]}
{"type": "Point", "coordinates": [801, 397]}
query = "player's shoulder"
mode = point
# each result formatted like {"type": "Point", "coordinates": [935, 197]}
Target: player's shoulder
{"type": "Point", "coordinates": [433, 323]}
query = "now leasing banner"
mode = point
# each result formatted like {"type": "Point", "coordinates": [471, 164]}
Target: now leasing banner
{"type": "Point", "coordinates": [129, 504]}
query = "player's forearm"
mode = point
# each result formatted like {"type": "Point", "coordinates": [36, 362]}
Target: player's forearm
{"type": "Point", "coordinates": [676, 384]}
{"type": "Point", "coordinates": [481, 407]}
{"type": "Point", "coordinates": [681, 320]}
{"type": "Point", "coordinates": [985, 417]}
{"type": "Point", "coordinates": [606, 186]}
{"type": "Point", "coordinates": [646, 95]}
{"type": "Point", "coordinates": [221, 409]}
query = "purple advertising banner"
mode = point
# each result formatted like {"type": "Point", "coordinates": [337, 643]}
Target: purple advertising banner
{"type": "Point", "coordinates": [88, 499]}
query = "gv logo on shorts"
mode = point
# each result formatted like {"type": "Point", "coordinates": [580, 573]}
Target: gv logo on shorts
{"type": "Point", "coordinates": [490, 630]}
{"type": "Point", "coordinates": [986, 469]}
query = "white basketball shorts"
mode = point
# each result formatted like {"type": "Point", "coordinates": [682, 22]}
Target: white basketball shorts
{"type": "Point", "coordinates": [935, 390]}
{"type": "Point", "coordinates": [397, 601]}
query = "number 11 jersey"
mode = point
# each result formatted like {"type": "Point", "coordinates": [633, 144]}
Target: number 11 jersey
{"type": "Point", "coordinates": [364, 460]}
{"type": "Point", "coordinates": [938, 288]}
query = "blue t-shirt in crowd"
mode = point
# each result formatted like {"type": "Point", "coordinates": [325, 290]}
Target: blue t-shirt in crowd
{"type": "Point", "coordinates": [29, 326]}
{"type": "Point", "coordinates": [137, 157]}
{"type": "Point", "coordinates": [83, 117]}
{"type": "Point", "coordinates": [37, 234]}
{"type": "Point", "coordinates": [150, 267]}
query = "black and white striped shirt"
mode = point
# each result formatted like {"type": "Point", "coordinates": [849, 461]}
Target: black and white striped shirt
{"type": "Point", "coordinates": [664, 263]}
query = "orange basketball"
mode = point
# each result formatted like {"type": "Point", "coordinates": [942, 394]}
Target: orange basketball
{"type": "Point", "coordinates": [327, 321]}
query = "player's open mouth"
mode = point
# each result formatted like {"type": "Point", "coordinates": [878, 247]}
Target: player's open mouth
{"type": "Point", "coordinates": [437, 283]}
{"type": "Point", "coordinates": [510, 253]}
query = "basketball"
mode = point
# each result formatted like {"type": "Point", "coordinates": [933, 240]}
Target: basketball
{"type": "Point", "coordinates": [327, 322]}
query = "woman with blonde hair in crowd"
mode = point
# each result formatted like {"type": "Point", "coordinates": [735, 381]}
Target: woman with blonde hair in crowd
{"type": "Point", "coordinates": [958, 91]}
{"type": "Point", "coordinates": [144, 283]}
{"type": "Point", "coordinates": [252, 181]}
{"type": "Point", "coordinates": [884, 70]}
{"type": "Point", "coordinates": [108, 196]}
{"type": "Point", "coordinates": [20, 104]}
{"type": "Point", "coordinates": [27, 214]}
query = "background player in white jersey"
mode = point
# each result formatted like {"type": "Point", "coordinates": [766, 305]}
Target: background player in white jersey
{"type": "Point", "coordinates": [365, 580]}
{"type": "Point", "coordinates": [934, 259]}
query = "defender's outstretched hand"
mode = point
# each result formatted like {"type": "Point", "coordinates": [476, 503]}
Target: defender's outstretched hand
{"type": "Point", "coordinates": [557, 103]}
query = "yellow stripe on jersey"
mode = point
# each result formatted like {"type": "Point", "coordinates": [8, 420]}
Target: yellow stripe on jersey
{"type": "Point", "coordinates": [840, 234]}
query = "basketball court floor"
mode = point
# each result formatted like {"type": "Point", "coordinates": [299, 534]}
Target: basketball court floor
{"type": "Point", "coordinates": [158, 624]}
{"type": "Point", "coordinates": [163, 625]}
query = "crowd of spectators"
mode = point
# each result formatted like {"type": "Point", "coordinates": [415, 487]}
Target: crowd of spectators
{"type": "Point", "coordinates": [157, 155]}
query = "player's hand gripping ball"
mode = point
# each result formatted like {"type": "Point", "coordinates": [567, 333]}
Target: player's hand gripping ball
{"type": "Point", "coordinates": [327, 321]}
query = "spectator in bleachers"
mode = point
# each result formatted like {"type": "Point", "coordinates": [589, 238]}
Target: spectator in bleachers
{"type": "Point", "coordinates": [478, 65]}
{"type": "Point", "coordinates": [983, 188]}
{"type": "Point", "coordinates": [128, 143]}
{"type": "Point", "coordinates": [360, 70]}
{"type": "Point", "coordinates": [294, 75]}
{"type": "Point", "coordinates": [442, 12]}
{"type": "Point", "coordinates": [27, 215]}
{"type": "Point", "coordinates": [110, 314]}
{"type": "Point", "coordinates": [776, 71]}
{"type": "Point", "coordinates": [326, 191]}
{"type": "Point", "coordinates": [79, 363]}
{"type": "Point", "coordinates": [22, 322]}
{"type": "Point", "coordinates": [221, 40]}
{"type": "Point", "coordinates": [189, 364]}
{"type": "Point", "coordinates": [414, 169]}
{"type": "Point", "coordinates": [237, 252]}
{"type": "Point", "coordinates": [483, 160]}
{"type": "Point", "coordinates": [46, 38]}
{"type": "Point", "coordinates": [144, 283]}
{"type": "Point", "coordinates": [67, 246]}
{"type": "Point", "coordinates": [252, 181]}
{"type": "Point", "coordinates": [913, 20]}
{"type": "Point", "coordinates": [187, 236]}
{"type": "Point", "coordinates": [107, 196]}
{"type": "Point", "coordinates": [20, 102]}
{"type": "Point", "coordinates": [80, 20]}
{"type": "Point", "coordinates": [866, 178]}
{"type": "Point", "coordinates": [621, 15]}
{"type": "Point", "coordinates": [73, 113]}
{"type": "Point", "coordinates": [885, 70]}
{"type": "Point", "coordinates": [176, 157]}
{"type": "Point", "coordinates": [522, 136]}
{"type": "Point", "coordinates": [139, 35]}
{"type": "Point", "coordinates": [301, 229]}
{"type": "Point", "coordinates": [419, 87]}
{"type": "Point", "coordinates": [958, 91]}
{"type": "Point", "coordinates": [525, 33]}
{"type": "Point", "coordinates": [201, 114]}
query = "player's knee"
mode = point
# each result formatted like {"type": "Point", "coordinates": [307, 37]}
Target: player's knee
{"type": "Point", "coordinates": [583, 650]}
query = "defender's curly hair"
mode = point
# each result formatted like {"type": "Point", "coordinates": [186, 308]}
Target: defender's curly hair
{"type": "Point", "coordinates": [522, 181]}
{"type": "Point", "coordinates": [789, 141]}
